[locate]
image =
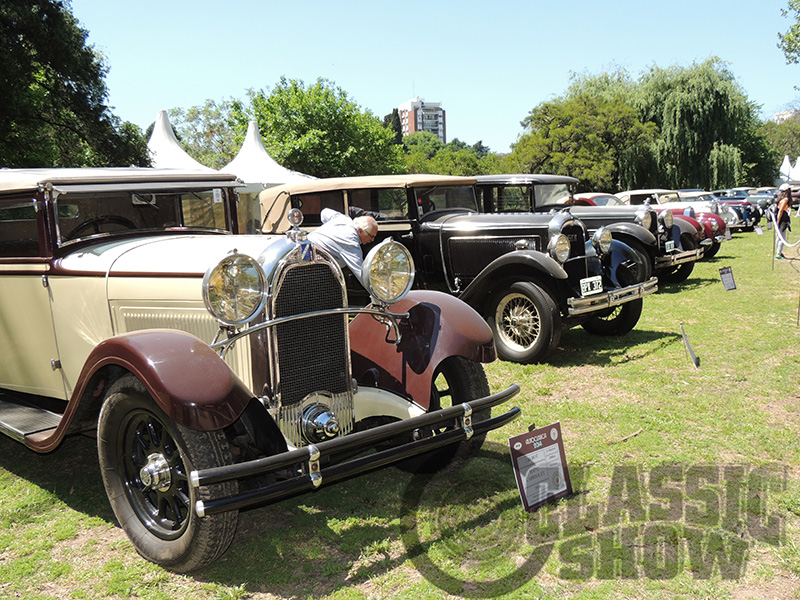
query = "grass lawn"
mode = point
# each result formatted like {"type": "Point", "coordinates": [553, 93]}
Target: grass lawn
{"type": "Point", "coordinates": [686, 480]}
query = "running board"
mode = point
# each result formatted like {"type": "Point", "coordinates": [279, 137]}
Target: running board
{"type": "Point", "coordinates": [20, 420]}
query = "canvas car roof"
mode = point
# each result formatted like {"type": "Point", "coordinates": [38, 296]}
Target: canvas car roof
{"type": "Point", "coordinates": [21, 180]}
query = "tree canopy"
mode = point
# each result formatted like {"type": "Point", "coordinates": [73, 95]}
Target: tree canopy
{"type": "Point", "coordinates": [319, 130]}
{"type": "Point", "coordinates": [53, 112]}
{"type": "Point", "coordinates": [789, 42]}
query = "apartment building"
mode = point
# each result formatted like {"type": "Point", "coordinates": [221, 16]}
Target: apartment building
{"type": "Point", "coordinates": [419, 115]}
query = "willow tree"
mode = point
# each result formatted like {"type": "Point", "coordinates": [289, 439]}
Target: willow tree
{"type": "Point", "coordinates": [708, 128]}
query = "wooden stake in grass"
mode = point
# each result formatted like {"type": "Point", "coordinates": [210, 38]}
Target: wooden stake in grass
{"type": "Point", "coordinates": [688, 346]}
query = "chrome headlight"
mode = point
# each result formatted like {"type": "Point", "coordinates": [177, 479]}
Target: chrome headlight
{"type": "Point", "coordinates": [643, 218]}
{"type": "Point", "coordinates": [714, 225]}
{"type": "Point", "coordinates": [665, 216]}
{"type": "Point", "coordinates": [233, 290]}
{"type": "Point", "coordinates": [559, 247]}
{"type": "Point", "coordinates": [388, 272]}
{"type": "Point", "coordinates": [601, 240]}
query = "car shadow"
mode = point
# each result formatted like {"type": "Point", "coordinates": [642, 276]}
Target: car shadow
{"type": "Point", "coordinates": [578, 347]}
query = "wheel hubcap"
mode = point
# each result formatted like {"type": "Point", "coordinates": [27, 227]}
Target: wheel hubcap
{"type": "Point", "coordinates": [518, 321]}
{"type": "Point", "coordinates": [155, 475]}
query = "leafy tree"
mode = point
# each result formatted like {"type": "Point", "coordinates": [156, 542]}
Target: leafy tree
{"type": "Point", "coordinates": [789, 42]}
{"type": "Point", "coordinates": [585, 136]}
{"type": "Point", "coordinates": [699, 110]}
{"type": "Point", "coordinates": [392, 121]}
{"type": "Point", "coordinates": [782, 138]}
{"type": "Point", "coordinates": [320, 131]}
{"type": "Point", "coordinates": [425, 153]}
{"type": "Point", "coordinates": [53, 112]}
{"type": "Point", "coordinates": [209, 133]}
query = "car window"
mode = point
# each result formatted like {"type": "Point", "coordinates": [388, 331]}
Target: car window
{"type": "Point", "coordinates": [84, 215]}
{"type": "Point", "coordinates": [389, 204]}
{"type": "Point", "coordinates": [313, 203]}
{"type": "Point", "coordinates": [18, 231]}
{"type": "Point", "coordinates": [445, 197]}
{"type": "Point", "coordinates": [553, 193]}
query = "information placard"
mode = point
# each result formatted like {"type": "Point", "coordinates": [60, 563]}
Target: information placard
{"type": "Point", "coordinates": [540, 466]}
{"type": "Point", "coordinates": [726, 273]}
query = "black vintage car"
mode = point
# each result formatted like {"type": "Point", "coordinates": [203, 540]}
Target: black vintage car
{"type": "Point", "coordinates": [530, 276]}
{"type": "Point", "coordinates": [668, 243]}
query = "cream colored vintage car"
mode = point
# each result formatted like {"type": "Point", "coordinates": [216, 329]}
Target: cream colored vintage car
{"type": "Point", "coordinates": [218, 371]}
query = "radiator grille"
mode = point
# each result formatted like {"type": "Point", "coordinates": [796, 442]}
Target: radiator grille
{"type": "Point", "coordinates": [312, 354]}
{"type": "Point", "coordinates": [577, 241]}
{"type": "Point", "coordinates": [469, 256]}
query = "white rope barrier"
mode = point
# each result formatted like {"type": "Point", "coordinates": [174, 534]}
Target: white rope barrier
{"type": "Point", "coordinates": [772, 217]}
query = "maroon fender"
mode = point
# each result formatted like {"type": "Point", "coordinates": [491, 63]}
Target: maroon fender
{"type": "Point", "coordinates": [439, 326]}
{"type": "Point", "coordinates": [187, 379]}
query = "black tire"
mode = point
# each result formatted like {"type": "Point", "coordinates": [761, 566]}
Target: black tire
{"type": "Point", "coordinates": [456, 380]}
{"type": "Point", "coordinates": [712, 250]}
{"type": "Point", "coordinates": [617, 320]}
{"type": "Point", "coordinates": [637, 247]}
{"type": "Point", "coordinates": [132, 433]}
{"type": "Point", "coordinates": [525, 322]}
{"type": "Point", "coordinates": [681, 272]}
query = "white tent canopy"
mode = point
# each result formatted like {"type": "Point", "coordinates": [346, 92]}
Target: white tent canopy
{"type": "Point", "coordinates": [794, 175]}
{"type": "Point", "coordinates": [166, 151]}
{"type": "Point", "coordinates": [786, 168]}
{"type": "Point", "coordinates": [254, 165]}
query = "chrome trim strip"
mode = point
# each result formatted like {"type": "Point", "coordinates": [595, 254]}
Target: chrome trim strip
{"type": "Point", "coordinates": [580, 306]}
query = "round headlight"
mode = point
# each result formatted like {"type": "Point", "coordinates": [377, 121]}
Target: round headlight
{"type": "Point", "coordinates": [601, 240]}
{"type": "Point", "coordinates": [295, 217]}
{"type": "Point", "coordinates": [665, 216]}
{"type": "Point", "coordinates": [643, 218]}
{"type": "Point", "coordinates": [388, 272]}
{"type": "Point", "coordinates": [559, 247]}
{"type": "Point", "coordinates": [233, 290]}
{"type": "Point", "coordinates": [714, 225]}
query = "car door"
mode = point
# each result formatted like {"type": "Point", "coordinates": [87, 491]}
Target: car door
{"type": "Point", "coordinates": [31, 363]}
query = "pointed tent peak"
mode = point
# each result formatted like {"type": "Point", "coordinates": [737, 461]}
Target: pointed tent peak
{"type": "Point", "coordinates": [794, 174]}
{"type": "Point", "coordinates": [786, 167]}
{"type": "Point", "coordinates": [166, 151]}
{"type": "Point", "coordinates": [253, 164]}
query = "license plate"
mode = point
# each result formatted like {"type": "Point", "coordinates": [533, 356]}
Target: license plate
{"type": "Point", "coordinates": [669, 246]}
{"type": "Point", "coordinates": [591, 285]}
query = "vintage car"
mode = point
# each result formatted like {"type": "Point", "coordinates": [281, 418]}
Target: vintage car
{"type": "Point", "coordinates": [219, 371]}
{"type": "Point", "coordinates": [669, 246]}
{"type": "Point", "coordinates": [712, 216]}
{"type": "Point", "coordinates": [737, 200]}
{"type": "Point", "coordinates": [530, 276]}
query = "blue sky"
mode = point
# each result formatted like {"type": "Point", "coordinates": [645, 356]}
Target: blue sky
{"type": "Point", "coordinates": [488, 63]}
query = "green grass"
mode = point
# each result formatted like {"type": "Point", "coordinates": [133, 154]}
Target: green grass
{"type": "Point", "coordinates": [620, 535]}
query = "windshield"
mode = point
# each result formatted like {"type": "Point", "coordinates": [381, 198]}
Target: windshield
{"type": "Point", "coordinates": [84, 215]}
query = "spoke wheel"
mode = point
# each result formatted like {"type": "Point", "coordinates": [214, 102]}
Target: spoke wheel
{"type": "Point", "coordinates": [525, 322]}
{"type": "Point", "coordinates": [145, 459]}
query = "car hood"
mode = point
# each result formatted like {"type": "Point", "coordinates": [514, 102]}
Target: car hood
{"type": "Point", "coordinates": [177, 255]}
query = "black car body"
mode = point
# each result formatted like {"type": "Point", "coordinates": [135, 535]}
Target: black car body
{"type": "Point", "coordinates": [668, 244]}
{"type": "Point", "coordinates": [530, 276]}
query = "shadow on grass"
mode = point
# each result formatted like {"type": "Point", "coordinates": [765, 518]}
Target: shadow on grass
{"type": "Point", "coordinates": [578, 347]}
{"type": "Point", "coordinates": [351, 532]}
{"type": "Point", "coordinates": [71, 473]}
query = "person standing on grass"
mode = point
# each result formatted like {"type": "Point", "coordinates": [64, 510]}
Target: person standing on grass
{"type": "Point", "coordinates": [783, 219]}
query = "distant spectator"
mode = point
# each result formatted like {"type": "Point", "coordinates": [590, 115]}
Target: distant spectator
{"type": "Point", "coordinates": [343, 237]}
{"type": "Point", "coordinates": [784, 217]}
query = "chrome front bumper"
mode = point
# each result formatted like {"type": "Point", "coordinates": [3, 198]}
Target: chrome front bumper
{"type": "Point", "coordinates": [587, 304]}
{"type": "Point", "coordinates": [678, 258]}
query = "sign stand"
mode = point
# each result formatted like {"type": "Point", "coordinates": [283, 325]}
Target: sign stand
{"type": "Point", "coordinates": [540, 466]}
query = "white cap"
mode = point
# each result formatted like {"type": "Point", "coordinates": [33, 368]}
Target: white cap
{"type": "Point", "coordinates": [784, 187]}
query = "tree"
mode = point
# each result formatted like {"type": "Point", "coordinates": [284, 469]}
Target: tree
{"type": "Point", "coordinates": [320, 131]}
{"type": "Point", "coordinates": [392, 121]}
{"type": "Point", "coordinates": [789, 42]}
{"type": "Point", "coordinates": [585, 136]}
{"type": "Point", "coordinates": [699, 110]}
{"type": "Point", "coordinates": [782, 138]}
{"type": "Point", "coordinates": [53, 112]}
{"type": "Point", "coordinates": [209, 133]}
